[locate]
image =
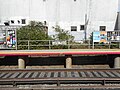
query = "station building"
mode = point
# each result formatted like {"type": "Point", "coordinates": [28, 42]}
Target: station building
{"type": "Point", "coordinates": [79, 17]}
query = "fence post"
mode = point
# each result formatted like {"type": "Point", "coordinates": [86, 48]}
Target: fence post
{"type": "Point", "coordinates": [119, 45]}
{"type": "Point", "coordinates": [109, 45]}
{"type": "Point", "coordinates": [49, 45]}
{"type": "Point", "coordinates": [93, 46]}
{"type": "Point", "coordinates": [28, 45]}
{"type": "Point", "coordinates": [89, 44]}
{"type": "Point", "coordinates": [68, 44]}
{"type": "Point", "coordinates": [16, 39]}
{"type": "Point", "coordinates": [16, 45]}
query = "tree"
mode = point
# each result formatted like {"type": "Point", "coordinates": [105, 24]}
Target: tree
{"type": "Point", "coordinates": [37, 31]}
{"type": "Point", "coordinates": [33, 31]}
{"type": "Point", "coordinates": [62, 35]}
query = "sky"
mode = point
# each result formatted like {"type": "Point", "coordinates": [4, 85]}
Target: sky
{"type": "Point", "coordinates": [119, 5]}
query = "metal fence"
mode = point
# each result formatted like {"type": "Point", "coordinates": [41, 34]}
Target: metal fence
{"type": "Point", "coordinates": [54, 44]}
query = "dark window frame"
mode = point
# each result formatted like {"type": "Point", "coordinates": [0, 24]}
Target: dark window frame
{"type": "Point", "coordinates": [12, 21]}
{"type": "Point", "coordinates": [7, 23]}
{"type": "Point", "coordinates": [18, 21]}
{"type": "Point", "coordinates": [23, 21]}
{"type": "Point", "coordinates": [82, 27]}
{"type": "Point", "coordinates": [73, 28]}
{"type": "Point", "coordinates": [102, 28]}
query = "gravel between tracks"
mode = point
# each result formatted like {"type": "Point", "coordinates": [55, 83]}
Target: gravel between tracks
{"type": "Point", "coordinates": [60, 66]}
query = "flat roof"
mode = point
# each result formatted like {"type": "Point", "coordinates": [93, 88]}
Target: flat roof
{"type": "Point", "coordinates": [59, 52]}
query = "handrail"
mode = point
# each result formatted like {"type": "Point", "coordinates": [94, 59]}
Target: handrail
{"type": "Point", "coordinates": [55, 44]}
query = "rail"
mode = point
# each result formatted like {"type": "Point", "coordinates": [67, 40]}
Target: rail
{"type": "Point", "coordinates": [86, 78]}
{"type": "Point", "coordinates": [54, 44]}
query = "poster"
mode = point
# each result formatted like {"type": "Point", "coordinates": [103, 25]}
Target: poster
{"type": "Point", "coordinates": [11, 39]}
{"type": "Point", "coordinates": [113, 36]}
{"type": "Point", "coordinates": [103, 37]}
{"type": "Point", "coordinates": [100, 36]}
{"type": "Point", "coordinates": [7, 39]}
{"type": "Point", "coordinates": [96, 36]}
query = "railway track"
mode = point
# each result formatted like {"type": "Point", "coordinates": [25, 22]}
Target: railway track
{"type": "Point", "coordinates": [106, 79]}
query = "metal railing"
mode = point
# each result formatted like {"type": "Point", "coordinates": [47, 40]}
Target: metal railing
{"type": "Point", "coordinates": [54, 44]}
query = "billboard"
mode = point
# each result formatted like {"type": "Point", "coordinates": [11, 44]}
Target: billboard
{"type": "Point", "coordinates": [10, 39]}
{"type": "Point", "coordinates": [96, 36]}
{"type": "Point", "coordinates": [100, 36]}
{"type": "Point", "coordinates": [113, 36]}
{"type": "Point", "coordinates": [7, 38]}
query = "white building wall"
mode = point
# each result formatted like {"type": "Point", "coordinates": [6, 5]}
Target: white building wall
{"type": "Point", "coordinates": [65, 13]}
{"type": "Point", "coordinates": [102, 13]}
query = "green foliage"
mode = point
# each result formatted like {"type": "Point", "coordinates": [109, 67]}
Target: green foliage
{"type": "Point", "coordinates": [62, 34]}
{"type": "Point", "coordinates": [33, 31]}
{"type": "Point", "coordinates": [38, 37]}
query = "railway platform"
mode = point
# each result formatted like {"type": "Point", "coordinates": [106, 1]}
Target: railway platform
{"type": "Point", "coordinates": [61, 52]}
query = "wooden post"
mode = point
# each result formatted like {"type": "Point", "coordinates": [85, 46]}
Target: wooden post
{"type": "Point", "coordinates": [21, 63]}
{"type": "Point", "coordinates": [68, 62]}
{"type": "Point", "coordinates": [117, 62]}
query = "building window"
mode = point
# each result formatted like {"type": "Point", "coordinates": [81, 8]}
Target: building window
{"type": "Point", "coordinates": [18, 22]}
{"type": "Point", "coordinates": [82, 27]}
{"type": "Point", "coordinates": [74, 0]}
{"type": "Point", "coordinates": [44, 0]}
{"type": "Point", "coordinates": [102, 28]}
{"type": "Point", "coordinates": [6, 23]}
{"type": "Point", "coordinates": [73, 28]}
{"type": "Point", "coordinates": [12, 21]}
{"type": "Point", "coordinates": [23, 21]}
